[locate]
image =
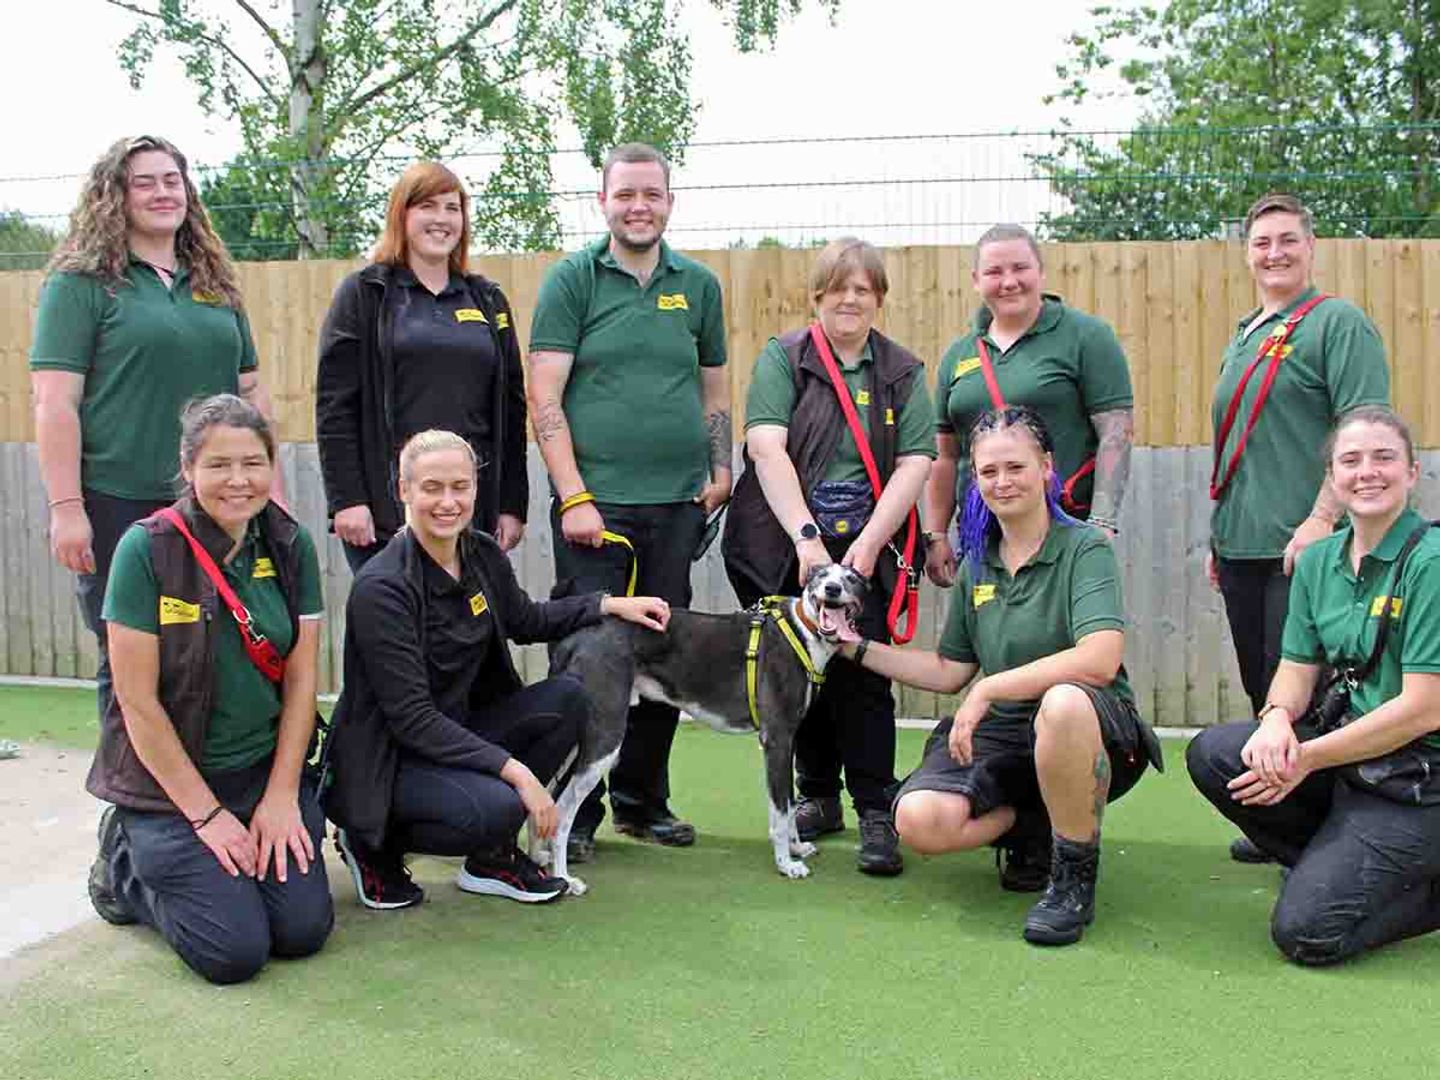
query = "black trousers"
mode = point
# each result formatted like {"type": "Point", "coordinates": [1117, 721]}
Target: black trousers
{"type": "Point", "coordinates": [664, 538]}
{"type": "Point", "coordinates": [224, 927]}
{"type": "Point", "coordinates": [1257, 596]}
{"type": "Point", "coordinates": [1365, 871]}
{"type": "Point", "coordinates": [109, 517]}
{"type": "Point", "coordinates": [441, 810]}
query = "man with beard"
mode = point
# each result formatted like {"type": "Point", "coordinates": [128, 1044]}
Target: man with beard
{"type": "Point", "coordinates": [630, 402]}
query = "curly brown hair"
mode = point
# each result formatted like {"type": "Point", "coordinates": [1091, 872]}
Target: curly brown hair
{"type": "Point", "coordinates": [96, 243]}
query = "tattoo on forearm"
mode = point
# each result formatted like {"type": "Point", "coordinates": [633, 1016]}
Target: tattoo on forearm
{"type": "Point", "coordinates": [549, 421]}
{"type": "Point", "coordinates": [1116, 431]}
{"type": "Point", "coordinates": [1102, 788]}
{"type": "Point", "coordinates": [718, 431]}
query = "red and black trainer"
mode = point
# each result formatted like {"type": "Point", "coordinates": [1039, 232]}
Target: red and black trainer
{"type": "Point", "coordinates": [510, 873]}
{"type": "Point", "coordinates": [381, 880]}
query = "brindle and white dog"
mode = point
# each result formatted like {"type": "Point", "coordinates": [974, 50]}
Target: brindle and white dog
{"type": "Point", "coordinates": [698, 665]}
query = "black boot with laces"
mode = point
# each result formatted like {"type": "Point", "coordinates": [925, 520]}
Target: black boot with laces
{"type": "Point", "coordinates": [1068, 906]}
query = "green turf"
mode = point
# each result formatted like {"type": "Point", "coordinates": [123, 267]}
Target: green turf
{"type": "Point", "coordinates": [50, 714]}
{"type": "Point", "coordinates": [707, 964]}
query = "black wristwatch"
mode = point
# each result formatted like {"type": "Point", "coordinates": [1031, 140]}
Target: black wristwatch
{"type": "Point", "coordinates": [808, 531]}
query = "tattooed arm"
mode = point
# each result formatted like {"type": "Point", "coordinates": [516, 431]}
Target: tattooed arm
{"type": "Point", "coordinates": [715, 402]}
{"type": "Point", "coordinates": [1115, 429]}
{"type": "Point", "coordinates": [545, 393]}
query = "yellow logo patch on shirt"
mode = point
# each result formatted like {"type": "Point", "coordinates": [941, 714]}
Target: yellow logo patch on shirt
{"type": "Point", "coordinates": [469, 314]}
{"type": "Point", "coordinates": [263, 568]}
{"type": "Point", "coordinates": [502, 320]}
{"type": "Point", "coordinates": [672, 302]}
{"type": "Point", "coordinates": [965, 367]}
{"type": "Point", "coordinates": [200, 296]}
{"type": "Point", "coordinates": [478, 605]}
{"type": "Point", "coordinates": [982, 594]}
{"type": "Point", "coordinates": [1378, 605]}
{"type": "Point", "coordinates": [889, 417]}
{"type": "Point", "coordinates": [862, 398]}
{"type": "Point", "coordinates": [174, 610]}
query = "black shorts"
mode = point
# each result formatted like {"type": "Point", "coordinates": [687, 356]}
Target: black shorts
{"type": "Point", "coordinates": [1002, 766]}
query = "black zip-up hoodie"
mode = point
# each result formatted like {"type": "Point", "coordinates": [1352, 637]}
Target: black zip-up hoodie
{"type": "Point", "coordinates": [387, 704]}
{"type": "Point", "coordinates": [354, 403]}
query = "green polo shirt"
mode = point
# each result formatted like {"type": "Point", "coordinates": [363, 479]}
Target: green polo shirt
{"type": "Point", "coordinates": [1335, 361]}
{"type": "Point", "coordinates": [1069, 589]}
{"type": "Point", "coordinates": [144, 351]}
{"type": "Point", "coordinates": [633, 401]}
{"type": "Point", "coordinates": [1334, 611]}
{"type": "Point", "coordinates": [245, 712]}
{"type": "Point", "coordinates": [1067, 366]}
{"type": "Point", "coordinates": [771, 400]}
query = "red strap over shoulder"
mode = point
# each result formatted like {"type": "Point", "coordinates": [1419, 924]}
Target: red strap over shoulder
{"type": "Point", "coordinates": [906, 596]}
{"type": "Point", "coordinates": [987, 369]}
{"type": "Point", "coordinates": [262, 653]}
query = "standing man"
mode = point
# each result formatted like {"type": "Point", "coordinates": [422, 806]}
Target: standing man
{"type": "Point", "coordinates": [630, 402]}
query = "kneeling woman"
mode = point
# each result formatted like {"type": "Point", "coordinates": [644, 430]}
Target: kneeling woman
{"type": "Point", "coordinates": [437, 747]}
{"type": "Point", "coordinates": [1353, 811]}
{"type": "Point", "coordinates": [213, 838]}
{"type": "Point", "coordinates": [1053, 722]}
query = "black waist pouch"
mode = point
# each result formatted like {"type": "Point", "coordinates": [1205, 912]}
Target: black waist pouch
{"type": "Point", "coordinates": [842, 507]}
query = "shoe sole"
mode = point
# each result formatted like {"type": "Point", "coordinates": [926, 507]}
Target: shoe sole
{"type": "Point", "coordinates": [342, 842]}
{"type": "Point", "coordinates": [1243, 855]}
{"type": "Point", "coordinates": [469, 883]}
{"type": "Point", "coordinates": [882, 869]}
{"type": "Point", "coordinates": [102, 894]}
{"type": "Point", "coordinates": [643, 832]}
{"type": "Point", "coordinates": [810, 835]}
{"type": "Point", "coordinates": [1037, 935]}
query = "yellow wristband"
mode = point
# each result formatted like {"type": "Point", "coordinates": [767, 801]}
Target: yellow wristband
{"type": "Point", "coordinates": [578, 499]}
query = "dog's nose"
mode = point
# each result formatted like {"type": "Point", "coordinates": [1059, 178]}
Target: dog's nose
{"type": "Point", "coordinates": [832, 590]}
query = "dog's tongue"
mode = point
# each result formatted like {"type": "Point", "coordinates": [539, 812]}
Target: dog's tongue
{"type": "Point", "coordinates": [836, 621]}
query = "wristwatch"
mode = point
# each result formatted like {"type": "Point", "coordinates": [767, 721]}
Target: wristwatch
{"type": "Point", "coordinates": [808, 531]}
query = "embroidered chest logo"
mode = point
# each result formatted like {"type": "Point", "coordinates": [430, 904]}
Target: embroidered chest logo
{"type": "Point", "coordinates": [478, 605]}
{"type": "Point", "coordinates": [1378, 605]}
{"type": "Point", "coordinates": [889, 417]}
{"type": "Point", "coordinates": [173, 610]}
{"type": "Point", "coordinates": [469, 314]}
{"type": "Point", "coordinates": [200, 296]}
{"type": "Point", "coordinates": [981, 595]}
{"type": "Point", "coordinates": [502, 320]}
{"type": "Point", "coordinates": [263, 568]}
{"type": "Point", "coordinates": [965, 367]}
{"type": "Point", "coordinates": [672, 302]}
{"type": "Point", "coordinates": [862, 398]}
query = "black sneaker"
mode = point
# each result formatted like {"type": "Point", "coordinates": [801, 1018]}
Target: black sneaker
{"type": "Point", "coordinates": [659, 827]}
{"type": "Point", "coordinates": [819, 816]}
{"type": "Point", "coordinates": [1023, 862]}
{"type": "Point", "coordinates": [1068, 906]}
{"type": "Point", "coordinates": [580, 846]}
{"type": "Point", "coordinates": [1245, 850]}
{"type": "Point", "coordinates": [381, 879]}
{"type": "Point", "coordinates": [879, 851]}
{"type": "Point", "coordinates": [512, 874]}
{"type": "Point", "coordinates": [102, 888]}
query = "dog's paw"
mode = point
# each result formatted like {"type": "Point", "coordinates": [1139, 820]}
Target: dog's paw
{"type": "Point", "coordinates": [802, 849]}
{"type": "Point", "coordinates": [577, 887]}
{"type": "Point", "coordinates": [793, 869]}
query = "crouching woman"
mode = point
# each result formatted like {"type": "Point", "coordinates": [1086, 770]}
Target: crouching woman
{"type": "Point", "coordinates": [1348, 795]}
{"type": "Point", "coordinates": [213, 838]}
{"type": "Point", "coordinates": [437, 747]}
{"type": "Point", "coordinates": [1052, 725]}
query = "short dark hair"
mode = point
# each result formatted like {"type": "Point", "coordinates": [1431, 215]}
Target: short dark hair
{"type": "Point", "coordinates": [1370, 414]}
{"type": "Point", "coordinates": [633, 153]}
{"type": "Point", "coordinates": [221, 410]}
{"type": "Point", "coordinates": [1277, 202]}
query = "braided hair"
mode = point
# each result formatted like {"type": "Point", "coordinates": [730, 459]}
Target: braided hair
{"type": "Point", "coordinates": [977, 522]}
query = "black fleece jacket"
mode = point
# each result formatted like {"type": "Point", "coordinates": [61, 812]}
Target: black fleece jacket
{"type": "Point", "coordinates": [354, 403]}
{"type": "Point", "coordinates": [388, 701]}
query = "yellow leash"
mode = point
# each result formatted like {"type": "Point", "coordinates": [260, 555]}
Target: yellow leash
{"type": "Point", "coordinates": [774, 607]}
{"type": "Point", "coordinates": [624, 541]}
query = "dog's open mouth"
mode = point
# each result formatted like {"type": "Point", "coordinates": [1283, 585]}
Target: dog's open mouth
{"type": "Point", "coordinates": [837, 623]}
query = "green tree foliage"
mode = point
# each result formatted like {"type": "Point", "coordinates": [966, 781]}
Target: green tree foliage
{"type": "Point", "coordinates": [24, 245]}
{"type": "Point", "coordinates": [1335, 100]}
{"type": "Point", "coordinates": [331, 87]}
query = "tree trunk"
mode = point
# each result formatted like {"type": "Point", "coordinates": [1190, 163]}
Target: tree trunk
{"type": "Point", "coordinates": [307, 129]}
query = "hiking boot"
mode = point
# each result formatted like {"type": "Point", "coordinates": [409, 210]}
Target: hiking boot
{"type": "Point", "coordinates": [381, 880]}
{"type": "Point", "coordinates": [509, 872]}
{"type": "Point", "coordinates": [1243, 849]}
{"type": "Point", "coordinates": [879, 851]}
{"type": "Point", "coordinates": [580, 846]}
{"type": "Point", "coordinates": [1023, 862]}
{"type": "Point", "coordinates": [660, 827]}
{"type": "Point", "coordinates": [103, 899]}
{"type": "Point", "coordinates": [819, 816]}
{"type": "Point", "coordinates": [1068, 906]}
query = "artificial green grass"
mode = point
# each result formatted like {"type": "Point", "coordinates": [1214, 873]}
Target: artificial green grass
{"type": "Point", "coordinates": [52, 714]}
{"type": "Point", "coordinates": [705, 963]}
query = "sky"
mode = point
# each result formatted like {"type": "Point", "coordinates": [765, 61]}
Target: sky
{"type": "Point", "coordinates": [884, 69]}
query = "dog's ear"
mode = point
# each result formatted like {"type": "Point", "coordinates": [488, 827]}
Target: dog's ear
{"type": "Point", "coordinates": [811, 576]}
{"type": "Point", "coordinates": [859, 580]}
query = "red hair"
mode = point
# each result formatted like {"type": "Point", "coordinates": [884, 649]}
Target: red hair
{"type": "Point", "coordinates": [421, 181]}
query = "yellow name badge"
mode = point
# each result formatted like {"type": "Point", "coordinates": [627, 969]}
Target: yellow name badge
{"type": "Point", "coordinates": [982, 594]}
{"type": "Point", "coordinates": [1378, 605]}
{"type": "Point", "coordinates": [672, 302]}
{"type": "Point", "coordinates": [202, 297]}
{"type": "Point", "coordinates": [862, 398]}
{"type": "Point", "coordinates": [964, 367]}
{"type": "Point", "coordinates": [478, 605]}
{"type": "Point", "coordinates": [263, 568]}
{"type": "Point", "coordinates": [502, 320]}
{"type": "Point", "coordinates": [889, 417]}
{"type": "Point", "coordinates": [174, 610]}
{"type": "Point", "coordinates": [469, 314]}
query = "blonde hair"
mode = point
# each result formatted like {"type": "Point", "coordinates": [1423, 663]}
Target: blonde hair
{"type": "Point", "coordinates": [841, 258]}
{"type": "Point", "coordinates": [431, 441]}
{"type": "Point", "coordinates": [97, 243]}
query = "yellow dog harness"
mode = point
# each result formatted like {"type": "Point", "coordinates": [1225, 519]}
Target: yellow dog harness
{"type": "Point", "coordinates": [776, 608]}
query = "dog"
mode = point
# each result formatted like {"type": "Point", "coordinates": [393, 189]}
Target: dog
{"type": "Point", "coordinates": [699, 665]}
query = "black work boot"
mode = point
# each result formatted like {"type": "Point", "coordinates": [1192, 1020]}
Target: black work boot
{"type": "Point", "coordinates": [818, 816]}
{"type": "Point", "coordinates": [1068, 906]}
{"type": "Point", "coordinates": [108, 904]}
{"type": "Point", "coordinates": [879, 852]}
